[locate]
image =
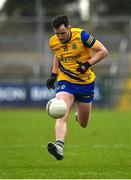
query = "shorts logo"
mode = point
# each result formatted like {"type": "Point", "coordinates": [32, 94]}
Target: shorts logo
{"type": "Point", "coordinates": [61, 87]}
{"type": "Point", "coordinates": [89, 96]}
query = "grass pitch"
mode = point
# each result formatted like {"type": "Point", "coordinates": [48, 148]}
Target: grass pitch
{"type": "Point", "coordinates": [102, 150]}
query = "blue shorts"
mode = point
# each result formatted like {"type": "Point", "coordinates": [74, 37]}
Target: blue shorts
{"type": "Point", "coordinates": [81, 92]}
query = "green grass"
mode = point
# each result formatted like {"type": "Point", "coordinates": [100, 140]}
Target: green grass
{"type": "Point", "coordinates": [102, 150]}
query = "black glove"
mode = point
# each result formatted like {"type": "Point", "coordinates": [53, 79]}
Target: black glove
{"type": "Point", "coordinates": [82, 68]}
{"type": "Point", "coordinates": [51, 81]}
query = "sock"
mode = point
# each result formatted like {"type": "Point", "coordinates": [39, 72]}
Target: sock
{"type": "Point", "coordinates": [60, 143]}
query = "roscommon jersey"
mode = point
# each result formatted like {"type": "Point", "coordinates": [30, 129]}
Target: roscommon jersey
{"type": "Point", "coordinates": [78, 48]}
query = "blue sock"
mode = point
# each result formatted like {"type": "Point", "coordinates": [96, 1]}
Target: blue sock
{"type": "Point", "coordinates": [60, 143]}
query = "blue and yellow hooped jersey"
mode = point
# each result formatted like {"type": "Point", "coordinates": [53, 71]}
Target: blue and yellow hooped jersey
{"type": "Point", "coordinates": [78, 48]}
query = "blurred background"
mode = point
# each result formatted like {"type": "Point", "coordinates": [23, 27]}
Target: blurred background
{"type": "Point", "coordinates": [26, 60]}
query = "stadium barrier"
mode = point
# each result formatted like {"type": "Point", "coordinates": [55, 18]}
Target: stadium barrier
{"type": "Point", "coordinates": [33, 94]}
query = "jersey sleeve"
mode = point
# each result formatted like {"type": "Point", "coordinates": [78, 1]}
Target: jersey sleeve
{"type": "Point", "coordinates": [87, 39]}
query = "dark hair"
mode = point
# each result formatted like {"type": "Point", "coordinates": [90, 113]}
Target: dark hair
{"type": "Point", "coordinates": [59, 20]}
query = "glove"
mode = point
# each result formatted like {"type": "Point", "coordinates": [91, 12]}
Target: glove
{"type": "Point", "coordinates": [51, 81]}
{"type": "Point", "coordinates": [82, 68]}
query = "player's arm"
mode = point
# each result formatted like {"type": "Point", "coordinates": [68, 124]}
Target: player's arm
{"type": "Point", "coordinates": [99, 51]}
{"type": "Point", "coordinates": [51, 80]}
{"type": "Point", "coordinates": [55, 66]}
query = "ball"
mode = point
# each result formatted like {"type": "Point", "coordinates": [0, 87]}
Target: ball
{"type": "Point", "coordinates": [56, 108]}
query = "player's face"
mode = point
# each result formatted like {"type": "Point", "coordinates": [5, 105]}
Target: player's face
{"type": "Point", "coordinates": [63, 33]}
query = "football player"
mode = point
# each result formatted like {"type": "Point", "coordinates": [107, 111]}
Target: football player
{"type": "Point", "coordinates": [72, 69]}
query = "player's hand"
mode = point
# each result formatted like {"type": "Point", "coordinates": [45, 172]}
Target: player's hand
{"type": "Point", "coordinates": [82, 68]}
{"type": "Point", "coordinates": [51, 81]}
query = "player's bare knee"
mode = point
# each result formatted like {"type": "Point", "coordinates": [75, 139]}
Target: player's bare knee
{"type": "Point", "coordinates": [63, 119]}
{"type": "Point", "coordinates": [83, 125]}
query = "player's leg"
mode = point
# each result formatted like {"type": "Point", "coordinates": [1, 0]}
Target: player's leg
{"type": "Point", "coordinates": [61, 124]}
{"type": "Point", "coordinates": [56, 149]}
{"type": "Point", "coordinates": [84, 98]}
{"type": "Point", "coordinates": [83, 112]}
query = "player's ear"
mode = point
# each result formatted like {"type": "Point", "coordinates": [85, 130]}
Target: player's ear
{"type": "Point", "coordinates": [69, 26]}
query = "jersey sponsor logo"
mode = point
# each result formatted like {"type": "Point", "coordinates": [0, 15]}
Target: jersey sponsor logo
{"type": "Point", "coordinates": [69, 58]}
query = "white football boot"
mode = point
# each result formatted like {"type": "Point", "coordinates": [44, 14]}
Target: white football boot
{"type": "Point", "coordinates": [55, 150]}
